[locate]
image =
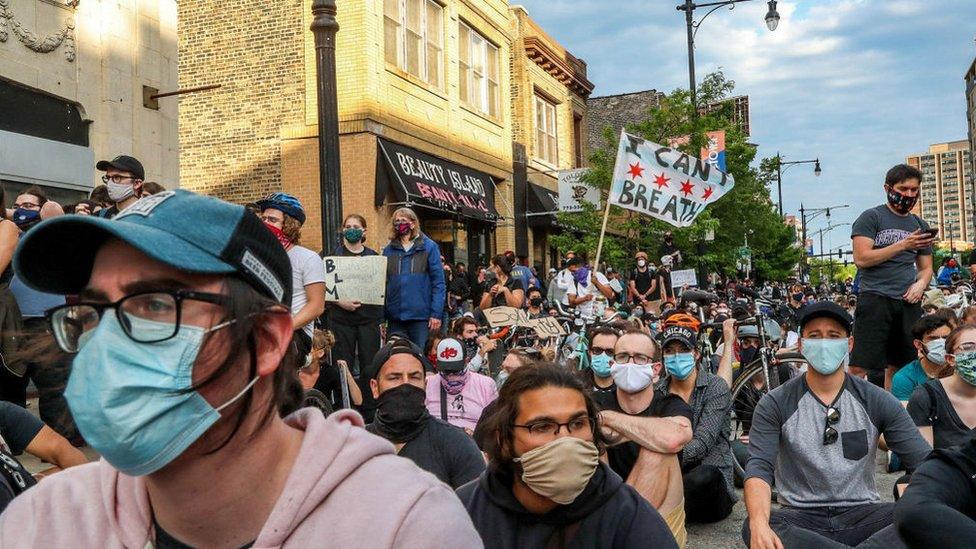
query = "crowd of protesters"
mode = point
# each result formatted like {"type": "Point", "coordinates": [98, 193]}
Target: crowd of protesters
{"type": "Point", "coordinates": [189, 342]}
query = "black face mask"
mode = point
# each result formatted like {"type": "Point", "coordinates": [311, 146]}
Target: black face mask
{"type": "Point", "coordinates": [746, 356]}
{"type": "Point", "coordinates": [535, 301]}
{"type": "Point", "coordinates": [401, 413]}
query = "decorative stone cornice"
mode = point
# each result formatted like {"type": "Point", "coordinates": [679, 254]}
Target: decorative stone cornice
{"type": "Point", "coordinates": [570, 71]}
{"type": "Point", "coordinates": [65, 36]}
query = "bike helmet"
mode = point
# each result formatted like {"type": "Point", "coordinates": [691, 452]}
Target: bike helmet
{"type": "Point", "coordinates": [286, 203]}
{"type": "Point", "coordinates": [773, 331]}
{"type": "Point", "coordinates": [681, 319]}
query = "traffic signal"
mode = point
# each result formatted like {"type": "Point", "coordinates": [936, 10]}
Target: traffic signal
{"type": "Point", "coordinates": [840, 254]}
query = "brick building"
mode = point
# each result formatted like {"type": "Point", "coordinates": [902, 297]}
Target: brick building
{"type": "Point", "coordinates": [616, 111]}
{"type": "Point", "coordinates": [426, 111]}
{"type": "Point", "coordinates": [549, 116]}
{"type": "Point", "coordinates": [72, 75]}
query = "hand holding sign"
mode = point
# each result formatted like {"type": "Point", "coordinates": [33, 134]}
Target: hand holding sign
{"type": "Point", "coordinates": [355, 281]}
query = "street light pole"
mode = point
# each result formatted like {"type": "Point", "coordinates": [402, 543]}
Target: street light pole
{"type": "Point", "coordinates": [324, 28]}
{"type": "Point", "coordinates": [689, 7]}
{"type": "Point", "coordinates": [779, 174]}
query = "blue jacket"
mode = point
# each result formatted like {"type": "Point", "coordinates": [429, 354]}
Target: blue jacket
{"type": "Point", "coordinates": [945, 275]}
{"type": "Point", "coordinates": [415, 288]}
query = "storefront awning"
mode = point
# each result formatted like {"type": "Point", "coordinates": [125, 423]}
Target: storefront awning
{"type": "Point", "coordinates": [419, 178]}
{"type": "Point", "coordinates": [543, 204]}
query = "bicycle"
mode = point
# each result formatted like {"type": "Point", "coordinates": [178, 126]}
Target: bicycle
{"type": "Point", "coordinates": [576, 346]}
{"type": "Point", "coordinates": [753, 381]}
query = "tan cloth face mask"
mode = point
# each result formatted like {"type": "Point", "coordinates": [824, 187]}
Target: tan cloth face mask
{"type": "Point", "coordinates": [561, 469]}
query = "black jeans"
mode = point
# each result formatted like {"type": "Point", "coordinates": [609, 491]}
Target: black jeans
{"type": "Point", "coordinates": [865, 526]}
{"type": "Point", "coordinates": [706, 497]}
{"type": "Point", "coordinates": [357, 345]}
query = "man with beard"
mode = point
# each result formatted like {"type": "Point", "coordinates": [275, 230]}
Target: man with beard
{"type": "Point", "coordinates": [456, 394]}
{"type": "Point", "coordinates": [402, 418]}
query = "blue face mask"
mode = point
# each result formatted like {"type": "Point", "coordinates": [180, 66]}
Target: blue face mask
{"type": "Point", "coordinates": [132, 401]}
{"type": "Point", "coordinates": [680, 365]}
{"type": "Point", "coordinates": [23, 218]}
{"type": "Point", "coordinates": [600, 365]}
{"type": "Point", "coordinates": [825, 356]}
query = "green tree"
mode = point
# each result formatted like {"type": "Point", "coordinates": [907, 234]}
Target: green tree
{"type": "Point", "coordinates": [821, 269]}
{"type": "Point", "coordinates": [745, 211]}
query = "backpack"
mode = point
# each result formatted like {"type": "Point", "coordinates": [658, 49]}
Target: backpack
{"type": "Point", "coordinates": [14, 479]}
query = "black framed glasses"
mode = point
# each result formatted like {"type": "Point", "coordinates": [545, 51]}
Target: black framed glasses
{"type": "Point", "coordinates": [116, 178]}
{"type": "Point", "coordinates": [549, 427]}
{"type": "Point", "coordinates": [830, 434]}
{"type": "Point", "coordinates": [145, 317]}
{"type": "Point", "coordinates": [624, 358]}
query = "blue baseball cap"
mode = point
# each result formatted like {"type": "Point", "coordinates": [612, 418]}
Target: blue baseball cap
{"type": "Point", "coordinates": [187, 231]}
{"type": "Point", "coordinates": [285, 203]}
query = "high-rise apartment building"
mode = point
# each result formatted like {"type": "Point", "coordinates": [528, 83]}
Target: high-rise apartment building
{"type": "Point", "coordinates": [971, 108]}
{"type": "Point", "coordinates": [946, 198]}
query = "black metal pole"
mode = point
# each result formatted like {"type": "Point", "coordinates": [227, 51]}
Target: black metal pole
{"type": "Point", "coordinates": [803, 230]}
{"type": "Point", "coordinates": [324, 28]}
{"type": "Point", "coordinates": [689, 8]}
{"type": "Point", "coordinates": [779, 182]}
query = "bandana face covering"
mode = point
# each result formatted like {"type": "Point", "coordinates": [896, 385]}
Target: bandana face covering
{"type": "Point", "coordinates": [401, 413]}
{"type": "Point", "coordinates": [284, 240]}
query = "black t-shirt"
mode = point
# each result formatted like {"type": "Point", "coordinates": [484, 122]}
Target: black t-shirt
{"type": "Point", "coordinates": [642, 280]}
{"type": "Point", "coordinates": [18, 427]}
{"type": "Point", "coordinates": [499, 299]}
{"type": "Point", "coordinates": [447, 452]}
{"type": "Point", "coordinates": [166, 541]}
{"type": "Point", "coordinates": [365, 314]}
{"type": "Point", "coordinates": [329, 384]}
{"type": "Point", "coordinates": [948, 429]}
{"type": "Point", "coordinates": [623, 456]}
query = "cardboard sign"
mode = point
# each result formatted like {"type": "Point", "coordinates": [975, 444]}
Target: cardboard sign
{"type": "Point", "coordinates": [361, 279]}
{"type": "Point", "coordinates": [510, 316]}
{"type": "Point", "coordinates": [686, 277]}
{"type": "Point", "coordinates": [663, 182]}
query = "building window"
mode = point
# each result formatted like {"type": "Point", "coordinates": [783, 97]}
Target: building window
{"type": "Point", "coordinates": [479, 71]}
{"type": "Point", "coordinates": [545, 131]}
{"type": "Point", "coordinates": [413, 38]}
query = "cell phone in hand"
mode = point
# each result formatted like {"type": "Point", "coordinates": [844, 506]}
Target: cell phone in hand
{"type": "Point", "coordinates": [931, 232]}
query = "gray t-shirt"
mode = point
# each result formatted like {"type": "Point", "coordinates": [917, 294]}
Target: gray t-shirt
{"type": "Point", "coordinates": [893, 277]}
{"type": "Point", "coordinates": [787, 437]}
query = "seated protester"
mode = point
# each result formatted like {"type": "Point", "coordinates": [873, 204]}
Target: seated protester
{"type": "Point", "coordinates": [939, 507]}
{"type": "Point", "coordinates": [819, 433]}
{"type": "Point", "coordinates": [401, 417]}
{"type": "Point", "coordinates": [602, 341]}
{"type": "Point", "coordinates": [945, 409]}
{"type": "Point", "coordinates": [647, 429]}
{"type": "Point", "coordinates": [308, 374]}
{"type": "Point", "coordinates": [21, 431]}
{"type": "Point", "coordinates": [329, 382]}
{"type": "Point", "coordinates": [456, 394]}
{"type": "Point", "coordinates": [545, 485]}
{"type": "Point", "coordinates": [204, 290]}
{"type": "Point", "coordinates": [284, 216]}
{"type": "Point", "coordinates": [588, 285]}
{"type": "Point", "coordinates": [929, 334]}
{"type": "Point", "coordinates": [706, 461]}
{"type": "Point", "coordinates": [968, 315]}
{"type": "Point", "coordinates": [477, 348]}
{"type": "Point", "coordinates": [534, 303]}
{"type": "Point", "coordinates": [519, 357]}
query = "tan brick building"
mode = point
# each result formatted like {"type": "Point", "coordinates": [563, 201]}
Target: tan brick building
{"type": "Point", "coordinates": [71, 92]}
{"type": "Point", "coordinates": [426, 110]}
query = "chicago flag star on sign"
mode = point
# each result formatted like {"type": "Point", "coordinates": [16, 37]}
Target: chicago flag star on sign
{"type": "Point", "coordinates": [664, 182]}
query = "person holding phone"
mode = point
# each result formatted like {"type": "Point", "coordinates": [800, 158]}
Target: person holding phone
{"type": "Point", "coordinates": [893, 250]}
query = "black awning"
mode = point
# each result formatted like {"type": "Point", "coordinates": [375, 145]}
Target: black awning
{"type": "Point", "coordinates": [543, 205]}
{"type": "Point", "coordinates": [420, 178]}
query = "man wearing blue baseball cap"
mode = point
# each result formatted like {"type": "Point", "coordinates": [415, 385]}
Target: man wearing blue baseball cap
{"type": "Point", "coordinates": [284, 216]}
{"type": "Point", "coordinates": [182, 375]}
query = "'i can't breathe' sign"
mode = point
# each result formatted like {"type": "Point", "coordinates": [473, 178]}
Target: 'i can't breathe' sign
{"type": "Point", "coordinates": [664, 182]}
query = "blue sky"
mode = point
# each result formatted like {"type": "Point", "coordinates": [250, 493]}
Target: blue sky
{"type": "Point", "coordinates": [859, 83]}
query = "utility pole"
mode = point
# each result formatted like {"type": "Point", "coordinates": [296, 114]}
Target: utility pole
{"type": "Point", "coordinates": [324, 28]}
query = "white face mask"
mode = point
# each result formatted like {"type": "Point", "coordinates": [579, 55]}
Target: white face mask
{"type": "Point", "coordinates": [633, 378]}
{"type": "Point", "coordinates": [117, 192]}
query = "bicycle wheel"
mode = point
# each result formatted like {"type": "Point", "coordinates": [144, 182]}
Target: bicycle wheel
{"type": "Point", "coordinates": [747, 388]}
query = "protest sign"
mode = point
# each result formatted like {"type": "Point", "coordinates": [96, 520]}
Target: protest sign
{"type": "Point", "coordinates": [664, 183]}
{"type": "Point", "coordinates": [686, 277]}
{"type": "Point", "coordinates": [573, 192]}
{"type": "Point", "coordinates": [361, 279]}
{"type": "Point", "coordinates": [510, 316]}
